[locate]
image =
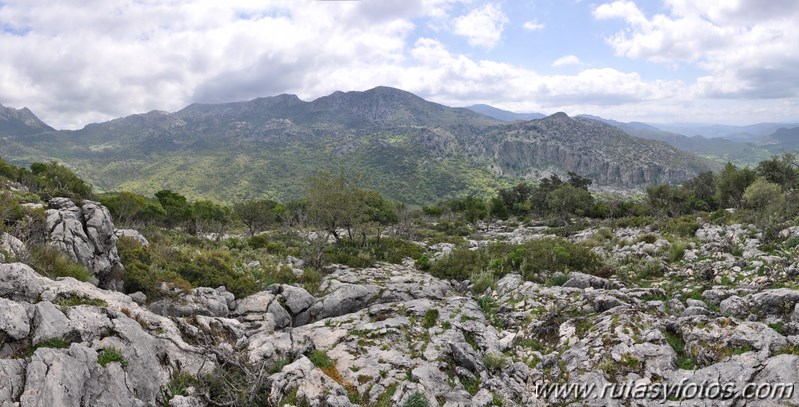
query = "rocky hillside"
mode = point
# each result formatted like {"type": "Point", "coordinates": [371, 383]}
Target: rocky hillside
{"type": "Point", "coordinates": [588, 147]}
{"type": "Point", "coordinates": [394, 335]}
{"type": "Point", "coordinates": [412, 150]}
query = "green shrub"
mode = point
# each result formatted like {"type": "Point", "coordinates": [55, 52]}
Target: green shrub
{"type": "Point", "coordinates": [778, 326]}
{"type": "Point", "coordinates": [423, 263]}
{"type": "Point", "coordinates": [684, 361]}
{"type": "Point", "coordinates": [430, 318]}
{"type": "Point", "coordinates": [109, 355]}
{"type": "Point", "coordinates": [482, 282]}
{"type": "Point", "coordinates": [460, 264]}
{"type": "Point", "coordinates": [472, 386]}
{"type": "Point", "coordinates": [416, 400]}
{"type": "Point", "coordinates": [145, 269]}
{"type": "Point", "coordinates": [10, 211]}
{"type": "Point", "coordinates": [647, 238]}
{"type": "Point", "coordinates": [495, 362]}
{"type": "Point", "coordinates": [394, 250]}
{"type": "Point", "coordinates": [320, 359]}
{"type": "Point", "coordinates": [50, 262]}
{"type": "Point", "coordinates": [258, 242]}
{"type": "Point", "coordinates": [677, 251]}
{"type": "Point", "coordinates": [685, 226]}
{"type": "Point", "coordinates": [558, 279]}
{"type": "Point", "coordinates": [311, 279]}
{"type": "Point", "coordinates": [178, 386]}
{"type": "Point", "coordinates": [54, 343]}
{"type": "Point", "coordinates": [58, 180]}
{"type": "Point", "coordinates": [453, 228]}
{"type": "Point", "coordinates": [74, 300]}
{"type": "Point", "coordinates": [490, 307]}
{"type": "Point", "coordinates": [272, 274]}
{"type": "Point", "coordinates": [278, 365]}
{"type": "Point", "coordinates": [544, 255]}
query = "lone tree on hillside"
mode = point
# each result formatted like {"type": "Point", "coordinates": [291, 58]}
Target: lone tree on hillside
{"type": "Point", "coordinates": [335, 201]}
{"type": "Point", "coordinates": [258, 214]}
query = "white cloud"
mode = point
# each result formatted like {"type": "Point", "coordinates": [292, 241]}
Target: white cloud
{"type": "Point", "coordinates": [567, 60]}
{"type": "Point", "coordinates": [624, 9]}
{"type": "Point", "coordinates": [482, 26]}
{"type": "Point", "coordinates": [747, 47]}
{"type": "Point", "coordinates": [533, 25]}
{"type": "Point", "coordinates": [74, 62]}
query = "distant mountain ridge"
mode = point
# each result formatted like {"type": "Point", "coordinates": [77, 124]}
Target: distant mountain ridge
{"type": "Point", "coordinates": [15, 122]}
{"type": "Point", "coordinates": [783, 140]}
{"type": "Point", "coordinates": [750, 133]}
{"type": "Point", "coordinates": [410, 149]}
{"type": "Point", "coordinates": [719, 149]}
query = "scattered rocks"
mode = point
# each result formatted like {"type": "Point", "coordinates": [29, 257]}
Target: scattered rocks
{"type": "Point", "coordinates": [581, 280]}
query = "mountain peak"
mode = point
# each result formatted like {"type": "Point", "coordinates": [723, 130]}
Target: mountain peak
{"type": "Point", "coordinates": [559, 116]}
{"type": "Point", "coordinates": [19, 122]}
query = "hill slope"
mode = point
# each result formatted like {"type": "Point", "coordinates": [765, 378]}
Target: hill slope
{"type": "Point", "coordinates": [410, 149]}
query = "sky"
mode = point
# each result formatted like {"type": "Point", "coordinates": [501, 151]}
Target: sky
{"type": "Point", "coordinates": [74, 62]}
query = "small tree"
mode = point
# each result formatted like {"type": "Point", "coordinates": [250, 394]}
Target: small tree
{"type": "Point", "coordinates": [781, 170]}
{"type": "Point", "coordinates": [175, 205]}
{"type": "Point", "coordinates": [669, 200]}
{"type": "Point", "coordinates": [498, 208]}
{"type": "Point", "coordinates": [731, 184]}
{"type": "Point", "coordinates": [258, 214]}
{"type": "Point", "coordinates": [568, 200]}
{"type": "Point", "coordinates": [128, 208]}
{"type": "Point", "coordinates": [334, 201]}
{"type": "Point", "coordinates": [211, 217]}
{"type": "Point", "coordinates": [379, 212]}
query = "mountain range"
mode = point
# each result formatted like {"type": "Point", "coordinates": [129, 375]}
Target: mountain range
{"type": "Point", "coordinates": [410, 149]}
{"type": "Point", "coordinates": [741, 145]}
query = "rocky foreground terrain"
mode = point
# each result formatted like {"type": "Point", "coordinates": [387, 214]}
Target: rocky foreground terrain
{"type": "Point", "coordinates": [394, 335]}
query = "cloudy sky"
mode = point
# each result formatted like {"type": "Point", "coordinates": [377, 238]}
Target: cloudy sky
{"type": "Point", "coordinates": [75, 62]}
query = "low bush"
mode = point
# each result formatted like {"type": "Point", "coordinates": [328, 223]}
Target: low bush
{"type": "Point", "coordinates": [51, 262]}
{"type": "Point", "coordinates": [109, 355]}
{"type": "Point", "coordinates": [320, 359]}
{"type": "Point", "coordinates": [430, 318]}
{"type": "Point", "coordinates": [416, 400]}
{"type": "Point", "coordinates": [536, 257]}
{"type": "Point", "coordinates": [677, 251]}
{"type": "Point", "coordinates": [148, 267]}
{"type": "Point", "coordinates": [495, 362]}
{"type": "Point", "coordinates": [483, 281]}
{"type": "Point", "coordinates": [685, 226]}
{"type": "Point", "coordinates": [460, 264]}
{"type": "Point", "coordinates": [53, 343]}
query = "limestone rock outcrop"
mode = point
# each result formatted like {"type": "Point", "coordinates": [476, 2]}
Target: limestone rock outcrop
{"type": "Point", "coordinates": [86, 234]}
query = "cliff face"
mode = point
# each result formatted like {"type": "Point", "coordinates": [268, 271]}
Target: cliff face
{"type": "Point", "coordinates": [590, 148]}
